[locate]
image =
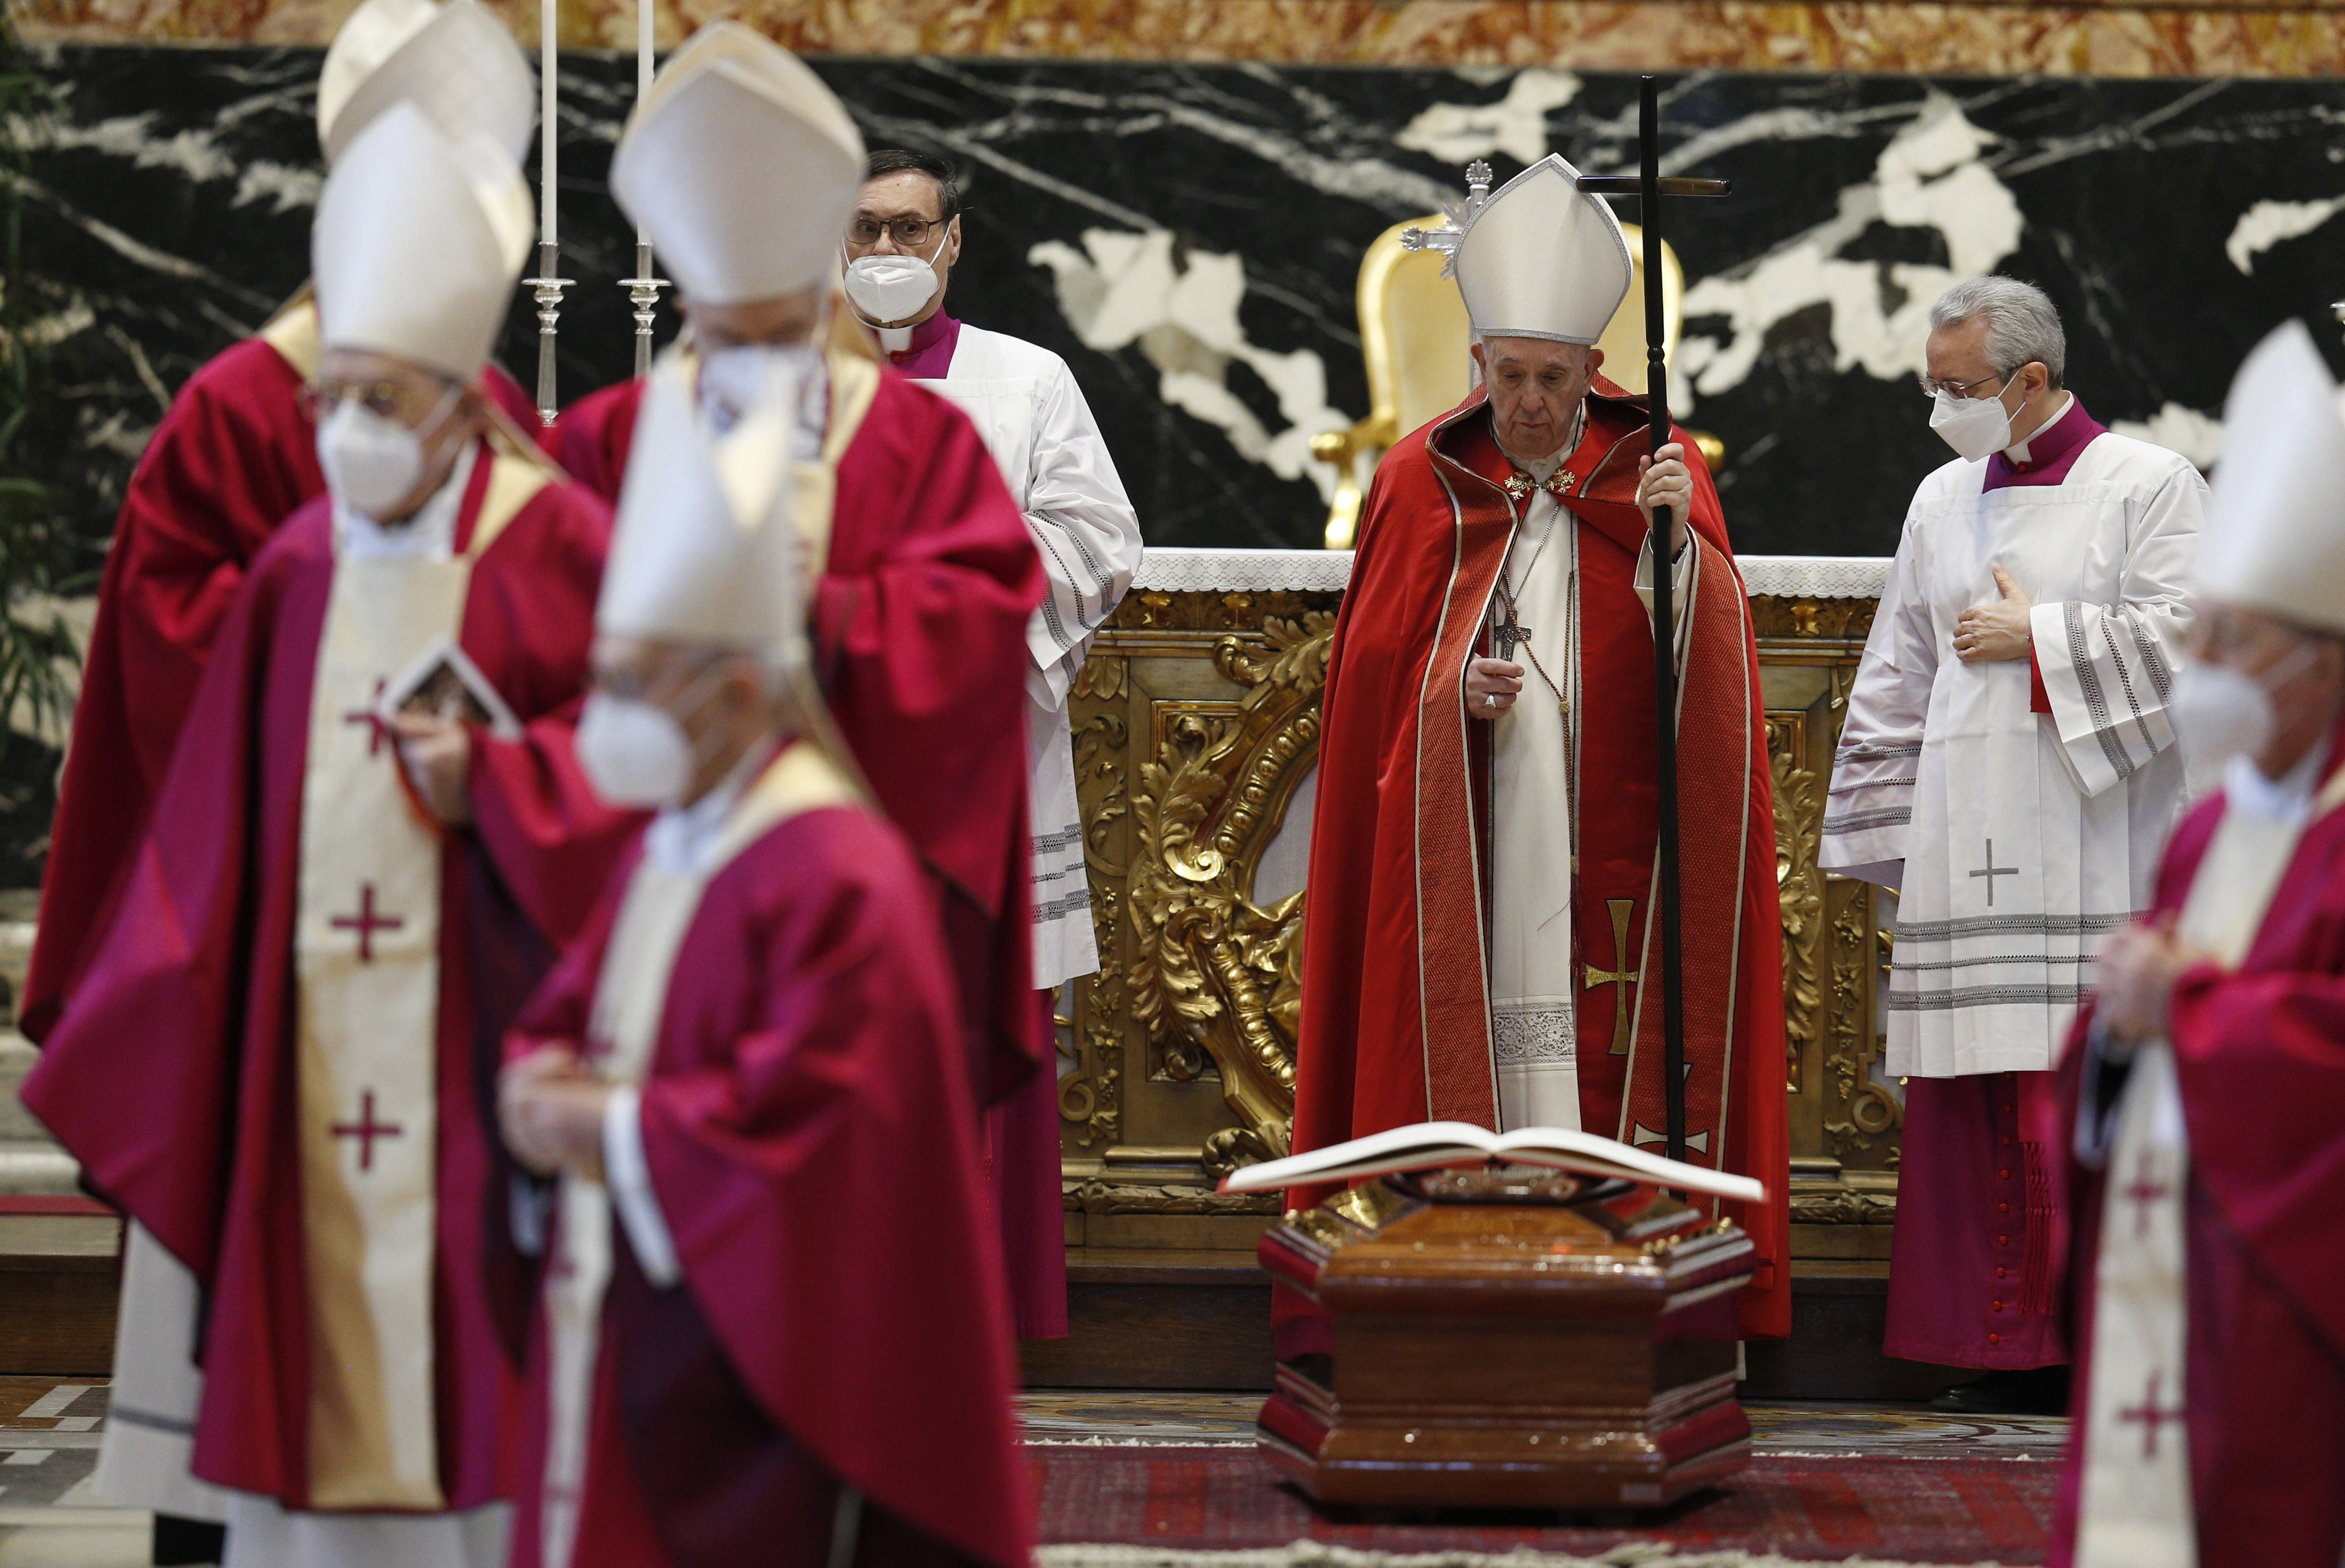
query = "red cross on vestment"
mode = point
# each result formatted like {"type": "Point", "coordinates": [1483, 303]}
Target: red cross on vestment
{"type": "Point", "coordinates": [366, 1130]}
{"type": "Point", "coordinates": [372, 720]}
{"type": "Point", "coordinates": [366, 922]}
{"type": "Point", "coordinates": [2142, 1194]}
{"type": "Point", "coordinates": [2151, 1416]}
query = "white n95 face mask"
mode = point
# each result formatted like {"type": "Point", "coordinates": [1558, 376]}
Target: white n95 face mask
{"type": "Point", "coordinates": [634, 754]}
{"type": "Point", "coordinates": [2219, 713]}
{"type": "Point", "coordinates": [370, 460]}
{"type": "Point", "coordinates": [1974, 427]}
{"type": "Point", "coordinates": [890, 289]}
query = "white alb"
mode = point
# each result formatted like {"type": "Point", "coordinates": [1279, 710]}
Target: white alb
{"type": "Point", "coordinates": [2017, 840]}
{"type": "Point", "coordinates": [1031, 415]}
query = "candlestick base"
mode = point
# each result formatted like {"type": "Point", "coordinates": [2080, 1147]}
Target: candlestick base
{"type": "Point", "coordinates": [644, 294]}
{"type": "Point", "coordinates": [546, 289]}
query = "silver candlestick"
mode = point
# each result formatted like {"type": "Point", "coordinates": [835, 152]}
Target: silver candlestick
{"type": "Point", "coordinates": [548, 286]}
{"type": "Point", "coordinates": [644, 293]}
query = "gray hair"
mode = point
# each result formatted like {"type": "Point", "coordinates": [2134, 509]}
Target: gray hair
{"type": "Point", "coordinates": [2020, 324]}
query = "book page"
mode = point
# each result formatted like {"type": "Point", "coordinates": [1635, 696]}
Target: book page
{"type": "Point", "coordinates": [442, 682]}
{"type": "Point", "coordinates": [1433, 1144]}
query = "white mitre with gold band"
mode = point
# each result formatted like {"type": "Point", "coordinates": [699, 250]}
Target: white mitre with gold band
{"type": "Point", "coordinates": [417, 243]}
{"type": "Point", "coordinates": [2274, 538]}
{"type": "Point", "coordinates": [700, 553]}
{"type": "Point", "coordinates": [742, 167]}
{"type": "Point", "coordinates": [456, 61]}
{"type": "Point", "coordinates": [1540, 259]}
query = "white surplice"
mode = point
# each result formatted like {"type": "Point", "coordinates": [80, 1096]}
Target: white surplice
{"type": "Point", "coordinates": [2016, 840]}
{"type": "Point", "coordinates": [1534, 976]}
{"type": "Point", "coordinates": [1026, 405]}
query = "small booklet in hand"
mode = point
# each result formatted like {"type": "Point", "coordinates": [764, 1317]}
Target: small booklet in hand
{"type": "Point", "coordinates": [442, 682]}
{"type": "Point", "coordinates": [1438, 1144]}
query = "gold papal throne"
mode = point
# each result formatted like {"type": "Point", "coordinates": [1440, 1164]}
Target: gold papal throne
{"type": "Point", "coordinates": [1414, 335]}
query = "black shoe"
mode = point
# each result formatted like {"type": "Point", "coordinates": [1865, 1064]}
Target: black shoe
{"type": "Point", "coordinates": [2039, 1391]}
{"type": "Point", "coordinates": [187, 1540]}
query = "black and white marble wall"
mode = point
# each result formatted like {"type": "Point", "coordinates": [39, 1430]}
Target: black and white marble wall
{"type": "Point", "coordinates": [1188, 237]}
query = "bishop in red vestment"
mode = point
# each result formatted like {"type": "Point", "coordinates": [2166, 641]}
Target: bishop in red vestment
{"type": "Point", "coordinates": [2200, 1092]}
{"type": "Point", "coordinates": [1482, 854]}
{"type": "Point", "coordinates": [234, 457]}
{"type": "Point", "coordinates": [274, 1063]}
{"type": "Point", "coordinates": [927, 576]}
{"type": "Point", "coordinates": [772, 1324]}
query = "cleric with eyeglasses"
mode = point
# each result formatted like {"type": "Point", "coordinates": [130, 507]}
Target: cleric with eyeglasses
{"type": "Point", "coordinates": [2008, 765]}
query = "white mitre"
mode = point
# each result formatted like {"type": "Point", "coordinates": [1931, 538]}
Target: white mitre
{"type": "Point", "coordinates": [456, 61]}
{"type": "Point", "coordinates": [742, 167]}
{"type": "Point", "coordinates": [699, 552]}
{"type": "Point", "coordinates": [2274, 538]}
{"type": "Point", "coordinates": [417, 244]}
{"type": "Point", "coordinates": [1539, 258]}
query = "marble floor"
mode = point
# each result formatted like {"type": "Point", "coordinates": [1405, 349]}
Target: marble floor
{"type": "Point", "coordinates": [49, 1432]}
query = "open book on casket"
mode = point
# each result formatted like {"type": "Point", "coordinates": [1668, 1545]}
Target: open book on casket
{"type": "Point", "coordinates": [1438, 1144]}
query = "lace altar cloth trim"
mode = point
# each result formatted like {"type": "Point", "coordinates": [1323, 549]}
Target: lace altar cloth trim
{"type": "Point", "coordinates": [1170, 570]}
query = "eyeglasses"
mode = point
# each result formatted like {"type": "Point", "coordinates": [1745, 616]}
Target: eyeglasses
{"type": "Point", "coordinates": [911, 233]}
{"type": "Point", "coordinates": [1931, 386]}
{"type": "Point", "coordinates": [387, 400]}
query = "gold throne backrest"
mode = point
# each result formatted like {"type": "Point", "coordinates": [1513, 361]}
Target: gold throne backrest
{"type": "Point", "coordinates": [1415, 337]}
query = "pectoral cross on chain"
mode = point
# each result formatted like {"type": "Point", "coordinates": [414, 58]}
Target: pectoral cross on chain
{"type": "Point", "coordinates": [1508, 635]}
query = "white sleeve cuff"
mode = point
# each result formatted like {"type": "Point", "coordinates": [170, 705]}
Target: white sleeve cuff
{"type": "Point", "coordinates": [1681, 585]}
{"type": "Point", "coordinates": [628, 1176]}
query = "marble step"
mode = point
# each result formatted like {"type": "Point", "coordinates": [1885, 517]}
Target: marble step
{"type": "Point", "coordinates": [37, 1170]}
{"type": "Point", "coordinates": [31, 1164]}
{"type": "Point", "coordinates": [17, 1056]}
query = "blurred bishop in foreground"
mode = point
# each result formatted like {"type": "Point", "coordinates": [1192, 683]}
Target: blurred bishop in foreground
{"type": "Point", "coordinates": [1482, 944]}
{"type": "Point", "coordinates": [772, 1328]}
{"type": "Point", "coordinates": [233, 458]}
{"type": "Point", "coordinates": [743, 168]}
{"type": "Point", "coordinates": [271, 1064]}
{"type": "Point", "coordinates": [2202, 1087]}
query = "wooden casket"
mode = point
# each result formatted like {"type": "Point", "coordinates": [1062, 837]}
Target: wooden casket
{"type": "Point", "coordinates": [1511, 1339]}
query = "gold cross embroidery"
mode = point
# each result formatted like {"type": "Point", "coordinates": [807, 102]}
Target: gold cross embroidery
{"type": "Point", "coordinates": [1619, 979]}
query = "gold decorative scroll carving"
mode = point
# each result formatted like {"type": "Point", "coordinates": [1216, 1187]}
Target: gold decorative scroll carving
{"type": "Point", "coordinates": [1091, 1097]}
{"type": "Point", "coordinates": [1798, 886]}
{"type": "Point", "coordinates": [1196, 720]}
{"type": "Point", "coordinates": [1214, 972]}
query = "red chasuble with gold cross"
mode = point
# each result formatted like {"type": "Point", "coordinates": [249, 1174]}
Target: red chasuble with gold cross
{"type": "Point", "coordinates": [234, 457]}
{"type": "Point", "coordinates": [277, 1059]}
{"type": "Point", "coordinates": [920, 624]}
{"type": "Point", "coordinates": [2256, 1413]}
{"type": "Point", "coordinates": [1396, 1004]}
{"type": "Point", "coordinates": [787, 1011]}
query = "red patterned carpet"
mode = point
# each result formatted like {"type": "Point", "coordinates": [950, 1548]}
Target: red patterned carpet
{"type": "Point", "coordinates": [1922, 1511]}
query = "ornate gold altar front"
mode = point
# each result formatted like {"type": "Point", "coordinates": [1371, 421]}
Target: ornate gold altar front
{"type": "Point", "coordinates": [1195, 720]}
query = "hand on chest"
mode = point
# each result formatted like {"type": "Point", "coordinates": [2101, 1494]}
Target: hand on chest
{"type": "Point", "coordinates": [2053, 545]}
